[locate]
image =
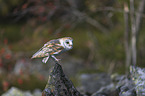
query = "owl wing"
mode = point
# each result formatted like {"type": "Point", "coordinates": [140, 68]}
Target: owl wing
{"type": "Point", "coordinates": [51, 47]}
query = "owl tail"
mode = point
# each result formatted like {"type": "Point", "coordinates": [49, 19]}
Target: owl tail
{"type": "Point", "coordinates": [44, 60]}
{"type": "Point", "coordinates": [37, 54]}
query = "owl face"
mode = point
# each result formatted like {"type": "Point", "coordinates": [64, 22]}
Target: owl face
{"type": "Point", "coordinates": [66, 42]}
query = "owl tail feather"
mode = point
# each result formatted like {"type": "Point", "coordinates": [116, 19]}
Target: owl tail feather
{"type": "Point", "coordinates": [44, 60]}
{"type": "Point", "coordinates": [36, 55]}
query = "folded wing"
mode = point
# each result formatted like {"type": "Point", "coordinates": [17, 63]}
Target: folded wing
{"type": "Point", "coordinates": [50, 48]}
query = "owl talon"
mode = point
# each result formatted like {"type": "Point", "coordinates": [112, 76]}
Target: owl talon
{"type": "Point", "coordinates": [55, 58]}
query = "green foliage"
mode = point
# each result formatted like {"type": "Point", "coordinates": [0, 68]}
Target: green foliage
{"type": "Point", "coordinates": [111, 45]}
{"type": "Point", "coordinates": [140, 47]}
{"type": "Point", "coordinates": [11, 32]}
{"type": "Point", "coordinates": [29, 82]}
{"type": "Point", "coordinates": [7, 5]}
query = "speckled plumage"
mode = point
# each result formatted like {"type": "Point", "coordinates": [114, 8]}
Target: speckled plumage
{"type": "Point", "coordinates": [54, 47]}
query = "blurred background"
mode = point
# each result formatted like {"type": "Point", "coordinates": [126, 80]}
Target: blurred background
{"type": "Point", "coordinates": [98, 28]}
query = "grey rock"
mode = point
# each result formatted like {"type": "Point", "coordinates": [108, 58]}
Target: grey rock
{"type": "Point", "coordinates": [59, 85]}
{"type": "Point", "coordinates": [121, 86]}
{"type": "Point", "coordinates": [93, 82]}
{"type": "Point", "coordinates": [31, 67]}
{"type": "Point", "coordinates": [37, 92]}
{"type": "Point", "coordinates": [103, 91]}
{"type": "Point", "coordinates": [73, 67]}
{"type": "Point", "coordinates": [16, 92]}
{"type": "Point", "coordinates": [13, 91]}
{"type": "Point", "coordinates": [138, 77]}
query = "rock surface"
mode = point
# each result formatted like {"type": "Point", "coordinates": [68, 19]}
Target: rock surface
{"type": "Point", "coordinates": [17, 92]}
{"type": "Point", "coordinates": [59, 85]}
{"type": "Point", "coordinates": [138, 77]}
{"type": "Point", "coordinates": [123, 87]}
{"type": "Point", "coordinates": [96, 84]}
{"type": "Point", "coordinates": [93, 82]}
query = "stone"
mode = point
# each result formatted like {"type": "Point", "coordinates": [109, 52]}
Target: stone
{"type": "Point", "coordinates": [59, 85]}
{"type": "Point", "coordinates": [16, 92]}
{"type": "Point", "coordinates": [93, 82]}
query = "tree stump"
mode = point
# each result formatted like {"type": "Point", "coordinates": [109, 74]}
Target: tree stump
{"type": "Point", "coordinates": [58, 84]}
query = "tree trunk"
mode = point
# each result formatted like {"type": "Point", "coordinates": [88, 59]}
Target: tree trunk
{"type": "Point", "coordinates": [133, 31]}
{"type": "Point", "coordinates": [126, 37]}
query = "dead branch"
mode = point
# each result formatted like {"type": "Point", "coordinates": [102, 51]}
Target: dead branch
{"type": "Point", "coordinates": [88, 19]}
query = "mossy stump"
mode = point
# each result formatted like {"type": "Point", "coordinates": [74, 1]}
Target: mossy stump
{"type": "Point", "coordinates": [59, 85]}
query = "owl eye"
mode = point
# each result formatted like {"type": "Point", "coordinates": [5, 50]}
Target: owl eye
{"type": "Point", "coordinates": [67, 42]}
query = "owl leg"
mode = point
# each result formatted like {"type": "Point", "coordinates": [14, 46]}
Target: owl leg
{"type": "Point", "coordinates": [44, 60]}
{"type": "Point", "coordinates": [55, 58]}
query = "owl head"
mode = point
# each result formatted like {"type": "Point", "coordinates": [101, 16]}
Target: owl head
{"type": "Point", "coordinates": [66, 42]}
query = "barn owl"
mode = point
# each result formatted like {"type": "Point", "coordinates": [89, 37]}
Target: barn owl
{"type": "Point", "coordinates": [54, 47]}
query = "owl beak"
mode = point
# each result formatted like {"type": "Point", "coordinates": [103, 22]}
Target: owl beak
{"type": "Point", "coordinates": [71, 45]}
